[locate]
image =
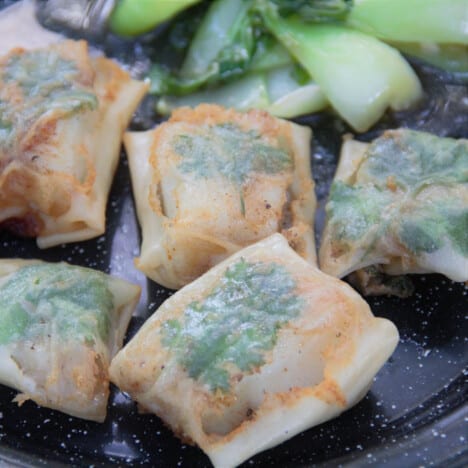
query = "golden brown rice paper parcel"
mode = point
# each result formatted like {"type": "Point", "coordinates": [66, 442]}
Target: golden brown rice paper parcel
{"type": "Point", "coordinates": [211, 181]}
{"type": "Point", "coordinates": [261, 347]}
{"type": "Point", "coordinates": [60, 325]}
{"type": "Point", "coordinates": [62, 117]}
{"type": "Point", "coordinates": [398, 205]}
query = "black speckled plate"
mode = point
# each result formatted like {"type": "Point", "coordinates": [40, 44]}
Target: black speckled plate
{"type": "Point", "coordinates": [415, 413]}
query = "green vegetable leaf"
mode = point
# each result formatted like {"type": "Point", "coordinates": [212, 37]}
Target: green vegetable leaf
{"type": "Point", "coordinates": [222, 48]}
{"type": "Point", "coordinates": [415, 160]}
{"type": "Point", "coordinates": [225, 37]}
{"type": "Point", "coordinates": [47, 79]}
{"type": "Point", "coordinates": [6, 126]}
{"type": "Point", "coordinates": [439, 21]}
{"type": "Point", "coordinates": [457, 228]}
{"type": "Point", "coordinates": [231, 152]}
{"type": "Point", "coordinates": [410, 188]}
{"type": "Point", "coordinates": [315, 10]}
{"type": "Point", "coordinates": [355, 210]}
{"type": "Point", "coordinates": [134, 17]}
{"type": "Point", "coordinates": [422, 235]}
{"type": "Point", "coordinates": [163, 81]}
{"type": "Point", "coordinates": [432, 223]}
{"type": "Point", "coordinates": [278, 91]}
{"type": "Point", "coordinates": [74, 301]}
{"type": "Point", "coordinates": [235, 325]}
{"type": "Point", "coordinates": [48, 82]}
{"type": "Point", "coordinates": [359, 75]}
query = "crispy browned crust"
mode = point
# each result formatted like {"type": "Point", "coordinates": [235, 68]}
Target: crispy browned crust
{"type": "Point", "coordinates": [288, 212]}
{"type": "Point", "coordinates": [29, 184]}
{"type": "Point", "coordinates": [212, 114]}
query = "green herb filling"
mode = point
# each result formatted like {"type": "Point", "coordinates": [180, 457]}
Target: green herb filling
{"type": "Point", "coordinates": [423, 220]}
{"type": "Point", "coordinates": [48, 82]}
{"type": "Point", "coordinates": [229, 151]}
{"type": "Point", "coordinates": [235, 325]}
{"type": "Point", "coordinates": [71, 302]}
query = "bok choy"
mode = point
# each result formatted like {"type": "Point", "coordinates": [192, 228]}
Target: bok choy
{"type": "Point", "coordinates": [440, 21]}
{"type": "Point", "coordinates": [133, 17]}
{"type": "Point", "coordinates": [277, 90]}
{"type": "Point", "coordinates": [360, 75]}
{"type": "Point", "coordinates": [243, 50]}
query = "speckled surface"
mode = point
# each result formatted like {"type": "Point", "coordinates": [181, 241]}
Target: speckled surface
{"type": "Point", "coordinates": [414, 415]}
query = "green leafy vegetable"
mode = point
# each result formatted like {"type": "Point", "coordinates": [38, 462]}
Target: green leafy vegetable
{"type": "Point", "coordinates": [360, 75]}
{"type": "Point", "coordinates": [315, 10]}
{"type": "Point", "coordinates": [277, 91]}
{"type": "Point", "coordinates": [415, 160]}
{"type": "Point", "coordinates": [48, 82]}
{"type": "Point", "coordinates": [409, 188]}
{"type": "Point", "coordinates": [232, 41]}
{"type": "Point", "coordinates": [354, 211]}
{"type": "Point", "coordinates": [222, 47]}
{"type": "Point", "coordinates": [428, 226]}
{"type": "Point", "coordinates": [134, 17]}
{"type": "Point", "coordinates": [235, 325]}
{"type": "Point", "coordinates": [6, 126]}
{"type": "Point", "coordinates": [231, 152]}
{"type": "Point", "coordinates": [224, 37]}
{"type": "Point", "coordinates": [46, 77]}
{"type": "Point", "coordinates": [439, 21]}
{"type": "Point", "coordinates": [163, 81]}
{"type": "Point", "coordinates": [422, 235]}
{"type": "Point", "coordinates": [457, 227]}
{"type": "Point", "coordinates": [249, 91]}
{"type": "Point", "coordinates": [270, 54]}
{"type": "Point", "coordinates": [357, 74]}
{"type": "Point", "coordinates": [75, 302]}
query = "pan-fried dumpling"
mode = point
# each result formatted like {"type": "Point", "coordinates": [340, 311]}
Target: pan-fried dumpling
{"type": "Point", "coordinates": [261, 347]}
{"type": "Point", "coordinates": [398, 205]}
{"type": "Point", "coordinates": [211, 181]}
{"type": "Point", "coordinates": [60, 325]}
{"type": "Point", "coordinates": [62, 116]}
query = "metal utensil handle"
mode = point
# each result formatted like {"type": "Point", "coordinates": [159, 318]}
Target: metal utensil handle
{"type": "Point", "coordinates": [85, 18]}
